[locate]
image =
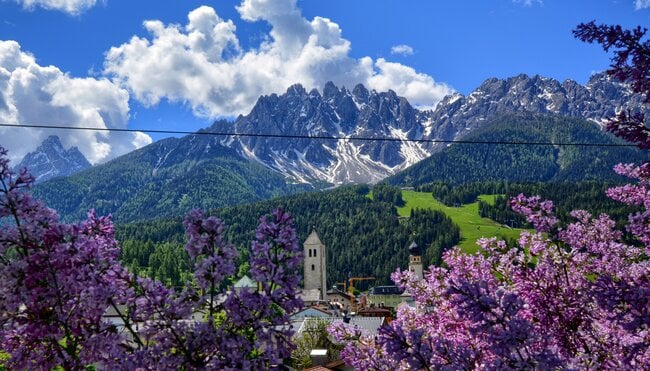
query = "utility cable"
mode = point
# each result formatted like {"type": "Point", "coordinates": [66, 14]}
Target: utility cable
{"type": "Point", "coordinates": [320, 137]}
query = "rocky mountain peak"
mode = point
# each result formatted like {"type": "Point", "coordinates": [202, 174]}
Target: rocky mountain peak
{"type": "Point", "coordinates": [52, 143]}
{"type": "Point", "coordinates": [339, 112]}
{"type": "Point", "coordinates": [330, 91]}
{"type": "Point", "coordinates": [51, 160]}
{"type": "Point", "coordinates": [314, 93]}
{"type": "Point", "coordinates": [599, 99]}
{"type": "Point", "coordinates": [296, 90]}
{"type": "Point", "coordinates": [360, 93]}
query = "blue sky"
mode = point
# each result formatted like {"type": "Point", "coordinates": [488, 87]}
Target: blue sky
{"type": "Point", "coordinates": [76, 62]}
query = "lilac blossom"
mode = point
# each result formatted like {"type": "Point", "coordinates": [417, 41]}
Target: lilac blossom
{"type": "Point", "coordinates": [247, 329]}
{"type": "Point", "coordinates": [538, 212]}
{"type": "Point", "coordinates": [574, 297]}
{"type": "Point", "coordinates": [58, 280]}
{"type": "Point", "coordinates": [562, 297]}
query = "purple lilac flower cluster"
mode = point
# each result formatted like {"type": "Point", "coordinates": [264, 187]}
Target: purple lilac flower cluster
{"type": "Point", "coordinates": [563, 297]}
{"type": "Point", "coordinates": [575, 298]}
{"type": "Point", "coordinates": [57, 281]}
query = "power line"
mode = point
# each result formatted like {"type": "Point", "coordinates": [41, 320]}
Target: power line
{"type": "Point", "coordinates": [321, 137]}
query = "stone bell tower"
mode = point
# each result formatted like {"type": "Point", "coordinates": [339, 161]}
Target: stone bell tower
{"type": "Point", "coordinates": [315, 264]}
{"type": "Point", "coordinates": [415, 260]}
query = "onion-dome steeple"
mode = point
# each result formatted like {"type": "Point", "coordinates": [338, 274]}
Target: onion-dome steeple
{"type": "Point", "coordinates": [414, 249]}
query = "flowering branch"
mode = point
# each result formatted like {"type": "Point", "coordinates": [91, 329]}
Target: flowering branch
{"type": "Point", "coordinates": [57, 281]}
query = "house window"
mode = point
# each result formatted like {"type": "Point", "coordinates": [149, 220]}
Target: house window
{"type": "Point", "coordinates": [313, 267]}
{"type": "Point", "coordinates": [314, 253]}
{"type": "Point", "coordinates": [310, 253]}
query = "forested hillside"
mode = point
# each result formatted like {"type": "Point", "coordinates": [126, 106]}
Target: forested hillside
{"type": "Point", "coordinates": [363, 236]}
{"type": "Point", "coordinates": [165, 179]}
{"type": "Point", "coordinates": [566, 196]}
{"type": "Point", "coordinates": [589, 196]}
{"type": "Point", "coordinates": [463, 162]}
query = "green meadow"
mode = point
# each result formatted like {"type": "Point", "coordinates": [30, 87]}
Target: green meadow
{"type": "Point", "coordinates": [472, 226]}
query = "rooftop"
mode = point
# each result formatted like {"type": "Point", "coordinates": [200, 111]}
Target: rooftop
{"type": "Point", "coordinates": [414, 249]}
{"type": "Point", "coordinates": [310, 295]}
{"type": "Point", "coordinates": [245, 282]}
{"type": "Point", "coordinates": [367, 325]}
{"type": "Point", "coordinates": [313, 239]}
{"type": "Point", "coordinates": [385, 290]}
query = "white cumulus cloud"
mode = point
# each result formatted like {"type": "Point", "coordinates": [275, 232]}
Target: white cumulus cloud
{"type": "Point", "coordinates": [641, 4]}
{"type": "Point", "coordinates": [31, 94]}
{"type": "Point", "coordinates": [419, 87]}
{"type": "Point", "coordinates": [73, 7]}
{"type": "Point", "coordinates": [201, 64]}
{"type": "Point", "coordinates": [401, 49]}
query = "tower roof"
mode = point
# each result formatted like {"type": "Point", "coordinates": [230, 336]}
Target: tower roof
{"type": "Point", "coordinates": [313, 239]}
{"type": "Point", "coordinates": [245, 282]}
{"type": "Point", "coordinates": [414, 249]}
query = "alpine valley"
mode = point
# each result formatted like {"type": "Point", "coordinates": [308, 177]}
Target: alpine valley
{"type": "Point", "coordinates": [171, 176]}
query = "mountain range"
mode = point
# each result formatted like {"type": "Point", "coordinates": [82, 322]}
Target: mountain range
{"type": "Point", "coordinates": [498, 160]}
{"type": "Point", "coordinates": [171, 176]}
{"type": "Point", "coordinates": [339, 112]}
{"type": "Point", "coordinates": [596, 101]}
{"type": "Point", "coordinates": [166, 178]}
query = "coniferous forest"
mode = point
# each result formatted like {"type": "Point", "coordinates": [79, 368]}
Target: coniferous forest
{"type": "Point", "coordinates": [525, 161]}
{"type": "Point", "coordinates": [364, 237]}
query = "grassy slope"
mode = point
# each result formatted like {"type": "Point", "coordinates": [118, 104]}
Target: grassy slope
{"type": "Point", "coordinates": [472, 226]}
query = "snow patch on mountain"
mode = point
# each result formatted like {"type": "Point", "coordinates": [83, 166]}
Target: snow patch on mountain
{"type": "Point", "coordinates": [352, 166]}
{"type": "Point", "coordinates": [412, 152]}
{"type": "Point", "coordinates": [343, 113]}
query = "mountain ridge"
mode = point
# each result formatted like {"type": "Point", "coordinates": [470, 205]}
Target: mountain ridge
{"type": "Point", "coordinates": [339, 112]}
{"type": "Point", "coordinates": [51, 160]}
{"type": "Point", "coordinates": [499, 160]}
{"type": "Point", "coordinates": [596, 101]}
{"type": "Point", "coordinates": [166, 178]}
{"type": "Point", "coordinates": [170, 176]}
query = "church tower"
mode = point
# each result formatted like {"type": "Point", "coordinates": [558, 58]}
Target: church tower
{"type": "Point", "coordinates": [315, 265]}
{"type": "Point", "coordinates": [415, 260]}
